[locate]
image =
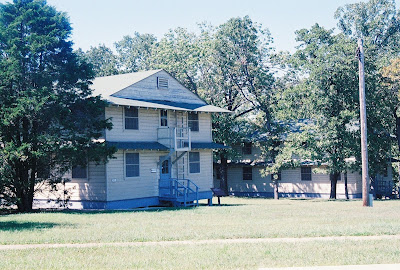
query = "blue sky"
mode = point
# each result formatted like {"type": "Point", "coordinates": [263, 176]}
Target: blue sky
{"type": "Point", "coordinates": [107, 21]}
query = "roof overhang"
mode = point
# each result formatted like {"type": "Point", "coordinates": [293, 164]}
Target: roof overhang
{"type": "Point", "coordinates": [138, 146]}
{"type": "Point", "coordinates": [208, 145]}
{"type": "Point", "coordinates": [165, 106]}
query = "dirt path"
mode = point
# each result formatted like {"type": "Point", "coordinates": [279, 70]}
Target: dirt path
{"type": "Point", "coordinates": [343, 267]}
{"type": "Point", "coordinates": [203, 242]}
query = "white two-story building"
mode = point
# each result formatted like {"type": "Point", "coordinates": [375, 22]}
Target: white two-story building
{"type": "Point", "coordinates": [162, 133]}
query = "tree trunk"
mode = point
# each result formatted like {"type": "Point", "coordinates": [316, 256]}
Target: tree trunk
{"type": "Point", "coordinates": [333, 177]}
{"type": "Point", "coordinates": [224, 173]}
{"type": "Point", "coordinates": [276, 189]}
{"type": "Point", "coordinates": [24, 191]}
{"type": "Point", "coordinates": [346, 190]}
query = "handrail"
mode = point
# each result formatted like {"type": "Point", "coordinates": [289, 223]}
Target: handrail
{"type": "Point", "coordinates": [177, 187]}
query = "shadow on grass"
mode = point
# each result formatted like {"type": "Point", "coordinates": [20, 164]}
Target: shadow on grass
{"type": "Point", "coordinates": [135, 210]}
{"type": "Point", "coordinates": [21, 226]}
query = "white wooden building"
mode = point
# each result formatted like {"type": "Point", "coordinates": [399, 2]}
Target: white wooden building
{"type": "Point", "coordinates": [245, 179]}
{"type": "Point", "coordinates": [162, 132]}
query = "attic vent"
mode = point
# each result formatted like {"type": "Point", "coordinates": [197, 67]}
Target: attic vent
{"type": "Point", "coordinates": [162, 83]}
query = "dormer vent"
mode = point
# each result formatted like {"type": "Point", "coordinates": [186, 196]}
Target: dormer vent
{"type": "Point", "coordinates": [162, 83]}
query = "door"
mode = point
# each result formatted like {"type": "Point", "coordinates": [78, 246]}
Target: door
{"type": "Point", "coordinates": [165, 169]}
{"type": "Point", "coordinates": [165, 175]}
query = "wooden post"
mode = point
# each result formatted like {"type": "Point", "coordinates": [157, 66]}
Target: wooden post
{"type": "Point", "coordinates": [363, 121]}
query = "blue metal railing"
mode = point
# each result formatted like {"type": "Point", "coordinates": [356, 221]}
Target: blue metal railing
{"type": "Point", "coordinates": [179, 189]}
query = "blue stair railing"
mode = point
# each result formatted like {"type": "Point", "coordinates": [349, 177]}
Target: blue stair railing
{"type": "Point", "coordinates": [182, 191]}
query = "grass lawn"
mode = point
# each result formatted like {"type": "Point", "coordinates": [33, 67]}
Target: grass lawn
{"type": "Point", "coordinates": [238, 218]}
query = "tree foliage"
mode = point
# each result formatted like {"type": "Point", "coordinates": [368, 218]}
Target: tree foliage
{"type": "Point", "coordinates": [48, 119]}
{"type": "Point", "coordinates": [104, 62]}
{"type": "Point", "coordinates": [135, 52]}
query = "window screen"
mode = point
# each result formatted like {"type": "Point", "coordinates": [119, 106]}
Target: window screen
{"type": "Point", "coordinates": [131, 118]}
{"type": "Point", "coordinates": [194, 162]}
{"type": "Point", "coordinates": [132, 164]}
{"type": "Point", "coordinates": [193, 121]}
{"type": "Point", "coordinates": [305, 173]}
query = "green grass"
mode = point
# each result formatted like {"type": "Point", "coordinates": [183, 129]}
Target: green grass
{"type": "Point", "coordinates": [210, 256]}
{"type": "Point", "coordinates": [238, 218]}
{"type": "Point", "coordinates": [241, 218]}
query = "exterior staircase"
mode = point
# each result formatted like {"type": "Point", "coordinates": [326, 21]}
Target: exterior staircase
{"type": "Point", "coordinates": [179, 191]}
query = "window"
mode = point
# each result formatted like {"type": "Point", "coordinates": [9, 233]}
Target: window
{"type": "Point", "coordinates": [247, 173]}
{"type": "Point", "coordinates": [79, 172]}
{"type": "Point", "coordinates": [162, 83]}
{"type": "Point", "coordinates": [131, 118]}
{"type": "Point", "coordinates": [193, 121]}
{"type": "Point", "coordinates": [164, 118]}
{"type": "Point", "coordinates": [305, 173]}
{"type": "Point", "coordinates": [132, 164]}
{"type": "Point", "coordinates": [246, 150]}
{"type": "Point", "coordinates": [194, 162]}
{"type": "Point", "coordinates": [165, 167]}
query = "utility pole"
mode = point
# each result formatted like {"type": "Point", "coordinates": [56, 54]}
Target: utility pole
{"type": "Point", "coordinates": [363, 120]}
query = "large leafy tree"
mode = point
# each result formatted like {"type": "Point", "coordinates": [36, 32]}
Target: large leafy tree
{"type": "Point", "coordinates": [135, 52]}
{"type": "Point", "coordinates": [330, 89]}
{"type": "Point", "coordinates": [331, 86]}
{"type": "Point", "coordinates": [103, 60]}
{"type": "Point", "coordinates": [178, 53]}
{"type": "Point", "coordinates": [48, 119]}
{"type": "Point", "coordinates": [234, 76]}
{"type": "Point", "coordinates": [377, 22]}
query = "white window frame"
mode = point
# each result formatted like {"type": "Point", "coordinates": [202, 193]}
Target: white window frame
{"type": "Point", "coordinates": [189, 162]}
{"type": "Point", "coordinates": [124, 157]}
{"type": "Point", "coordinates": [160, 118]}
{"type": "Point", "coordinates": [123, 119]}
{"type": "Point", "coordinates": [311, 173]}
{"type": "Point", "coordinates": [198, 121]}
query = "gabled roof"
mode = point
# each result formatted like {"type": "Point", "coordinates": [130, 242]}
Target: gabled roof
{"type": "Point", "coordinates": [134, 90]}
{"type": "Point", "coordinates": [108, 85]}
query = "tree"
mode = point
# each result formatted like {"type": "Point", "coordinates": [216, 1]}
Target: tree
{"type": "Point", "coordinates": [328, 60]}
{"type": "Point", "coordinates": [377, 22]}
{"type": "Point", "coordinates": [392, 74]}
{"type": "Point", "coordinates": [234, 76]}
{"type": "Point", "coordinates": [48, 118]}
{"type": "Point", "coordinates": [135, 52]}
{"type": "Point", "coordinates": [103, 61]}
{"type": "Point", "coordinates": [178, 53]}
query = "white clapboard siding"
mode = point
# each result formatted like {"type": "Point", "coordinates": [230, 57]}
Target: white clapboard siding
{"type": "Point", "coordinates": [146, 185]}
{"type": "Point", "coordinates": [92, 188]}
{"type": "Point", "coordinates": [204, 179]}
{"type": "Point", "coordinates": [290, 182]}
{"type": "Point", "coordinates": [148, 124]}
{"type": "Point", "coordinates": [255, 153]}
{"type": "Point", "coordinates": [237, 184]}
{"type": "Point", "coordinates": [204, 134]}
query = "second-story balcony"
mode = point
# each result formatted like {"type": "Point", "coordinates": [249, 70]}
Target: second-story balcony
{"type": "Point", "coordinates": [175, 138]}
